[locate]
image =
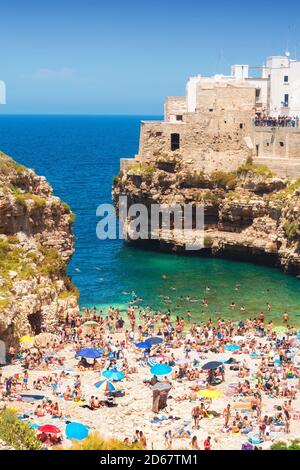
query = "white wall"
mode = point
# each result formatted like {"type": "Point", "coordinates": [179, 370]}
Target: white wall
{"type": "Point", "coordinates": [191, 93]}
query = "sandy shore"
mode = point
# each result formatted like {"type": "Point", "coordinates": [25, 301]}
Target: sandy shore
{"type": "Point", "coordinates": [134, 410]}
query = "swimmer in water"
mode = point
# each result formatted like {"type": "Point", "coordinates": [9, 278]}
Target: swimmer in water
{"type": "Point", "coordinates": [285, 317]}
{"type": "Point", "coordinates": [233, 306]}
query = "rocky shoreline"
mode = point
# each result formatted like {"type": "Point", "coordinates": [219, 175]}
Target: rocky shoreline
{"type": "Point", "coordinates": [36, 243]}
{"type": "Point", "coordinates": [249, 214]}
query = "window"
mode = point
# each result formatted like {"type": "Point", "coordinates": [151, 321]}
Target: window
{"type": "Point", "coordinates": [286, 101]}
{"type": "Point", "coordinates": [211, 110]}
{"type": "Point", "coordinates": [257, 93]}
{"type": "Point", "coordinates": [281, 144]}
{"type": "Point", "coordinates": [179, 117]}
{"type": "Point", "coordinates": [286, 79]}
{"type": "Point", "coordinates": [175, 142]}
{"type": "Point", "coordinates": [241, 126]}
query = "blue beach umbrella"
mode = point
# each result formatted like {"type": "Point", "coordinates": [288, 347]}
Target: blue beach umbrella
{"type": "Point", "coordinates": [76, 431]}
{"type": "Point", "coordinates": [89, 353]}
{"type": "Point", "coordinates": [153, 340]}
{"type": "Point", "coordinates": [113, 374]}
{"type": "Point", "coordinates": [233, 347]}
{"type": "Point", "coordinates": [143, 345]}
{"type": "Point", "coordinates": [161, 369]}
{"type": "Point", "coordinates": [212, 365]}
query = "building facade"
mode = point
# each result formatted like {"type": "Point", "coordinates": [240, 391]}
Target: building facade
{"type": "Point", "coordinates": [277, 85]}
{"type": "Point", "coordinates": [213, 125]}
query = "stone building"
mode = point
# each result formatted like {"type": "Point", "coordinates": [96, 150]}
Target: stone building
{"type": "Point", "coordinates": [212, 127]}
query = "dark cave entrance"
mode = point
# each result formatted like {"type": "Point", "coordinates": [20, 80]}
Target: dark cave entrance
{"type": "Point", "coordinates": [35, 321]}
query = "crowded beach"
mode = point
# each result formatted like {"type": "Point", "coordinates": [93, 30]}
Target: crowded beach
{"type": "Point", "coordinates": [159, 381]}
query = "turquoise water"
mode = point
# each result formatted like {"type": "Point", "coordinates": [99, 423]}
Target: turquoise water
{"type": "Point", "coordinates": [79, 155]}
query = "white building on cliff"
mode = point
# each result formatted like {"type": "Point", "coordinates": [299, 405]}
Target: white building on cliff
{"type": "Point", "coordinates": [277, 85]}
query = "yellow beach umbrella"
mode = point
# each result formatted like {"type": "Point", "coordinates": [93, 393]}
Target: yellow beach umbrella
{"type": "Point", "coordinates": [26, 339]}
{"type": "Point", "coordinates": [211, 393]}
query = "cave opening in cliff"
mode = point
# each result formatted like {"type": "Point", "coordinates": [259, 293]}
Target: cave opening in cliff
{"type": "Point", "coordinates": [35, 321]}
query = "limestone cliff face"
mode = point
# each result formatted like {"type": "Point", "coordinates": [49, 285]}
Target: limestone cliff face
{"type": "Point", "coordinates": [36, 242]}
{"type": "Point", "coordinates": [249, 214]}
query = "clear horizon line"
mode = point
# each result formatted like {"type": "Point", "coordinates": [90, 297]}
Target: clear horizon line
{"type": "Point", "coordinates": [79, 114]}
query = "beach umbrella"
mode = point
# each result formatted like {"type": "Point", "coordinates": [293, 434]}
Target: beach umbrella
{"type": "Point", "coordinates": [89, 353]}
{"type": "Point", "coordinates": [106, 386]}
{"type": "Point", "coordinates": [49, 429]}
{"type": "Point", "coordinates": [232, 347]}
{"type": "Point", "coordinates": [76, 431]}
{"type": "Point", "coordinates": [153, 340]}
{"type": "Point", "coordinates": [31, 398]}
{"type": "Point", "coordinates": [27, 342]}
{"type": "Point", "coordinates": [212, 365]}
{"type": "Point", "coordinates": [210, 393]}
{"type": "Point", "coordinates": [152, 362]}
{"type": "Point", "coordinates": [113, 374]}
{"type": "Point", "coordinates": [26, 339]}
{"type": "Point", "coordinates": [162, 387]}
{"type": "Point", "coordinates": [159, 358]}
{"type": "Point", "coordinates": [161, 369]}
{"type": "Point", "coordinates": [90, 323]}
{"type": "Point", "coordinates": [143, 345]}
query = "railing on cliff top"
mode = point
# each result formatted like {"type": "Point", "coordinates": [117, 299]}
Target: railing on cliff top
{"type": "Point", "coordinates": [293, 123]}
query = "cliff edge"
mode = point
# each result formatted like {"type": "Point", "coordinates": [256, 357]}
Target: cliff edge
{"type": "Point", "coordinates": [36, 243]}
{"type": "Point", "coordinates": [249, 213]}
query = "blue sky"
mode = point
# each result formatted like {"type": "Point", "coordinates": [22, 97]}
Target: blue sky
{"type": "Point", "coordinates": [125, 56]}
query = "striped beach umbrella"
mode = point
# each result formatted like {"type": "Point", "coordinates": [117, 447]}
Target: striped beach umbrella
{"type": "Point", "coordinates": [105, 386]}
{"type": "Point", "coordinates": [151, 361]}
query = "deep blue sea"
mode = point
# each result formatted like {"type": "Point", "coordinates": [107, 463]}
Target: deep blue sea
{"type": "Point", "coordinates": [79, 155]}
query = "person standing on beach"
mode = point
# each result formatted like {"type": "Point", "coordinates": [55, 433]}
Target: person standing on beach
{"type": "Point", "coordinates": [226, 416]}
{"type": "Point", "coordinates": [142, 440]}
{"type": "Point", "coordinates": [168, 440]}
{"type": "Point", "coordinates": [196, 416]}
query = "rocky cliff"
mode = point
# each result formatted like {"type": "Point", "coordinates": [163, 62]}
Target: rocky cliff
{"type": "Point", "coordinates": [249, 214]}
{"type": "Point", "coordinates": [36, 243]}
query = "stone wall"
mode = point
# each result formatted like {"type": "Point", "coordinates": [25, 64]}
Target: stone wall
{"type": "Point", "coordinates": [175, 106]}
{"type": "Point", "coordinates": [225, 98]}
{"type": "Point", "coordinates": [209, 138]}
